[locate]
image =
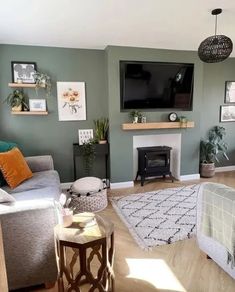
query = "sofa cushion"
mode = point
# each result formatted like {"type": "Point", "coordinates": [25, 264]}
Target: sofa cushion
{"type": "Point", "coordinates": [14, 167]}
{"type": "Point", "coordinates": [5, 146]}
{"type": "Point", "coordinates": [5, 197]}
{"type": "Point", "coordinates": [39, 181]}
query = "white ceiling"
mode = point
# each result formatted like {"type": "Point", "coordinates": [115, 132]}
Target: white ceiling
{"type": "Point", "coordinates": [94, 24]}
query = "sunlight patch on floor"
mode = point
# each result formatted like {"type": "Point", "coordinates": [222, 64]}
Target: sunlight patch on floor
{"type": "Point", "coordinates": [156, 272]}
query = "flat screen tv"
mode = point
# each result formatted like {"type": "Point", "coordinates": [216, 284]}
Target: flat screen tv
{"type": "Point", "coordinates": [155, 85]}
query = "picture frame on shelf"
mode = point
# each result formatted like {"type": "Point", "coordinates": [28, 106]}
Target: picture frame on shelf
{"type": "Point", "coordinates": [37, 105]}
{"type": "Point", "coordinates": [227, 113]}
{"type": "Point", "coordinates": [23, 72]}
{"type": "Point", "coordinates": [229, 92]}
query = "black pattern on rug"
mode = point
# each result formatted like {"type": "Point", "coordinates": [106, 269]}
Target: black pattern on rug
{"type": "Point", "coordinates": [159, 217]}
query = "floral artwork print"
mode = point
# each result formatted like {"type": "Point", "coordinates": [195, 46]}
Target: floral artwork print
{"type": "Point", "coordinates": [71, 101]}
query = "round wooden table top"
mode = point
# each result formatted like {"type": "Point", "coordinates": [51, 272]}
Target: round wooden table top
{"type": "Point", "coordinates": [99, 228]}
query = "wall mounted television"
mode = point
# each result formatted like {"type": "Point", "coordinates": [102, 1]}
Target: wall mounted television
{"type": "Point", "coordinates": [156, 85]}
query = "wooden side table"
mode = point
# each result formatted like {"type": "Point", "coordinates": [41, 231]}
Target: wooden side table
{"type": "Point", "coordinates": [3, 275]}
{"type": "Point", "coordinates": [86, 244]}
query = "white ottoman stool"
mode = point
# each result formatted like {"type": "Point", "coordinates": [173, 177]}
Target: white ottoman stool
{"type": "Point", "coordinates": [88, 194]}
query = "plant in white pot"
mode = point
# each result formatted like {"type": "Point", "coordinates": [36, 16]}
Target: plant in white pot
{"type": "Point", "coordinates": [17, 100]}
{"type": "Point", "coordinates": [101, 130]}
{"type": "Point", "coordinates": [210, 149]}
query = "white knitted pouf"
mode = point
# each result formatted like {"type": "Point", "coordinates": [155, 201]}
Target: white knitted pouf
{"type": "Point", "coordinates": [88, 195]}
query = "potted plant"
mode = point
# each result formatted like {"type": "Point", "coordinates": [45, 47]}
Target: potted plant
{"type": "Point", "coordinates": [88, 155]}
{"type": "Point", "coordinates": [42, 80]}
{"type": "Point", "coordinates": [16, 100]}
{"type": "Point", "coordinates": [210, 150]}
{"type": "Point", "coordinates": [135, 116]}
{"type": "Point", "coordinates": [101, 130]}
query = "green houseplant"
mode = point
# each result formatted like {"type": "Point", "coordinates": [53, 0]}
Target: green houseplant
{"type": "Point", "coordinates": [101, 130]}
{"type": "Point", "coordinates": [16, 100]}
{"type": "Point", "coordinates": [88, 155]}
{"type": "Point", "coordinates": [42, 80]}
{"type": "Point", "coordinates": [135, 116]}
{"type": "Point", "coordinates": [210, 150]}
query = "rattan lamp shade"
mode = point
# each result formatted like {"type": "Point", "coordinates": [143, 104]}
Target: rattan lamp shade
{"type": "Point", "coordinates": [215, 49]}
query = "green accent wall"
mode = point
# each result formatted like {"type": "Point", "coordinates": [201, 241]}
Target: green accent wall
{"type": "Point", "coordinates": [38, 135]}
{"type": "Point", "coordinates": [121, 146]}
{"type": "Point", "coordinates": [99, 69]}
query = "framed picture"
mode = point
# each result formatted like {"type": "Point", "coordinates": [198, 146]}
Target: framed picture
{"type": "Point", "coordinates": [22, 72]}
{"type": "Point", "coordinates": [37, 105]}
{"type": "Point", "coordinates": [85, 136]}
{"type": "Point", "coordinates": [229, 92]}
{"type": "Point", "coordinates": [227, 113]}
{"type": "Point", "coordinates": [71, 101]}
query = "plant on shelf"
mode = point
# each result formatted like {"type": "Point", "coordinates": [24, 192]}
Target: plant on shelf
{"type": "Point", "coordinates": [136, 116]}
{"type": "Point", "coordinates": [210, 149]}
{"type": "Point", "coordinates": [42, 80]}
{"type": "Point", "coordinates": [183, 121]}
{"type": "Point", "coordinates": [88, 155]}
{"type": "Point", "coordinates": [17, 100]}
{"type": "Point", "coordinates": [101, 130]}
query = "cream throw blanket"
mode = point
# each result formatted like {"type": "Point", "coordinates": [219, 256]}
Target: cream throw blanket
{"type": "Point", "coordinates": [218, 216]}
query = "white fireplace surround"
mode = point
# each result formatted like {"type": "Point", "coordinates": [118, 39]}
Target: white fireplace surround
{"type": "Point", "coordinates": [170, 140]}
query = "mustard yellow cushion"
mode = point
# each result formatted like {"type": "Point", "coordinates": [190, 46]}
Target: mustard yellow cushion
{"type": "Point", "coordinates": [14, 167]}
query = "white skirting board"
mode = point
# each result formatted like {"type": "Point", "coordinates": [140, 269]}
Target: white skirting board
{"type": "Point", "coordinates": [189, 177]}
{"type": "Point", "coordinates": [65, 186]}
{"type": "Point", "coordinates": [225, 168]}
{"type": "Point", "coordinates": [121, 185]}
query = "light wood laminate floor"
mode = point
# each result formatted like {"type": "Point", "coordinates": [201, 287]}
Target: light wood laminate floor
{"type": "Point", "coordinates": [176, 267]}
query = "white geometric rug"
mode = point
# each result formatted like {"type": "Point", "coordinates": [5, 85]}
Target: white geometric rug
{"type": "Point", "coordinates": [159, 217]}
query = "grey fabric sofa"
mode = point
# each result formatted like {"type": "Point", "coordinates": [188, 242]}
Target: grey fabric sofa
{"type": "Point", "coordinates": [27, 226]}
{"type": "Point", "coordinates": [211, 247]}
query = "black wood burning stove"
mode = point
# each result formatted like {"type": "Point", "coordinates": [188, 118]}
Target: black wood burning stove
{"type": "Point", "coordinates": [153, 161]}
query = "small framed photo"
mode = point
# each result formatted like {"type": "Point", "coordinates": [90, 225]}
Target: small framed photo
{"type": "Point", "coordinates": [37, 105]}
{"type": "Point", "coordinates": [227, 113]}
{"type": "Point", "coordinates": [85, 136]}
{"type": "Point", "coordinates": [229, 92]}
{"type": "Point", "coordinates": [23, 72]}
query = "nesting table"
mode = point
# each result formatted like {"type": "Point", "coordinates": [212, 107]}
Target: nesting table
{"type": "Point", "coordinates": [85, 256]}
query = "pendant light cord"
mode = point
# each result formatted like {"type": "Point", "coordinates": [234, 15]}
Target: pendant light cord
{"type": "Point", "coordinates": [216, 25]}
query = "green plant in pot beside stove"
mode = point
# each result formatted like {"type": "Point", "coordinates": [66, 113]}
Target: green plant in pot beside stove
{"type": "Point", "coordinates": [101, 130]}
{"type": "Point", "coordinates": [17, 101]}
{"type": "Point", "coordinates": [42, 80]}
{"type": "Point", "coordinates": [211, 149]}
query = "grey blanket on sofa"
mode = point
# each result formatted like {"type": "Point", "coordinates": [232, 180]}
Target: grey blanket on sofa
{"type": "Point", "coordinates": [218, 216]}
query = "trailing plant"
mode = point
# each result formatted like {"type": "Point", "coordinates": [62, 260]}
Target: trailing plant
{"type": "Point", "coordinates": [88, 155]}
{"type": "Point", "coordinates": [211, 148]}
{"type": "Point", "coordinates": [183, 121]}
{"type": "Point", "coordinates": [42, 80]}
{"type": "Point", "coordinates": [134, 113]}
{"type": "Point", "coordinates": [101, 128]}
{"type": "Point", "coordinates": [16, 98]}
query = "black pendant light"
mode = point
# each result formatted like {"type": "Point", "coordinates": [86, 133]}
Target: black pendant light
{"type": "Point", "coordinates": [215, 48]}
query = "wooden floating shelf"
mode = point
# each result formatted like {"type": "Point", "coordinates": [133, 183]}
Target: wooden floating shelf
{"type": "Point", "coordinates": [158, 125]}
{"type": "Point", "coordinates": [23, 85]}
{"type": "Point", "coordinates": [30, 113]}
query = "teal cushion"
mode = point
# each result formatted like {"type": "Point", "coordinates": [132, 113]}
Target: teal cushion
{"type": "Point", "coordinates": [4, 147]}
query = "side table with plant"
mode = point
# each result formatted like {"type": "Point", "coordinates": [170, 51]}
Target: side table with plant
{"type": "Point", "coordinates": [17, 100]}
{"type": "Point", "coordinates": [210, 149]}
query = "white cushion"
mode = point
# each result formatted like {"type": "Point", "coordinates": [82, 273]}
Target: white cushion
{"type": "Point", "coordinates": [5, 197]}
{"type": "Point", "coordinates": [86, 185]}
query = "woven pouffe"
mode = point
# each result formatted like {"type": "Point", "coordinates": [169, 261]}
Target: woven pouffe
{"type": "Point", "coordinates": [88, 194]}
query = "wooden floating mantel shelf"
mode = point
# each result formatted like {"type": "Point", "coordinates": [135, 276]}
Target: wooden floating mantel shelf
{"type": "Point", "coordinates": [30, 113]}
{"type": "Point", "coordinates": [23, 85]}
{"type": "Point", "coordinates": [158, 125]}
